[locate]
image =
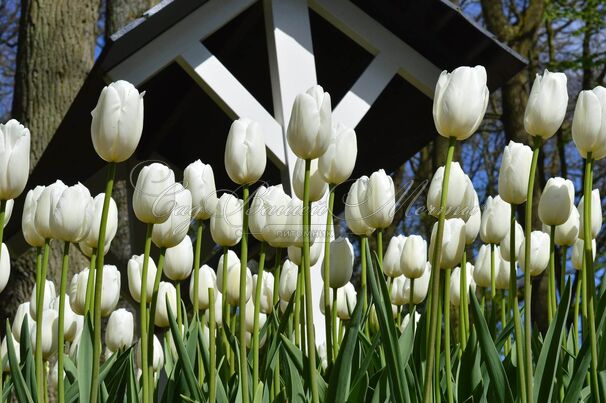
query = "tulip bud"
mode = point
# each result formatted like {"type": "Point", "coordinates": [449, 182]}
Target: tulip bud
{"type": "Point", "coordinates": [398, 296]}
{"type": "Point", "coordinates": [495, 220]}
{"type": "Point", "coordinates": [346, 301]}
{"type": "Point", "coordinates": [556, 201]}
{"type": "Point", "coordinates": [503, 273]}
{"type": "Point", "coordinates": [294, 253]}
{"type": "Point", "coordinates": [353, 204]}
{"type": "Point", "coordinates": [119, 330]}
{"type": "Point", "coordinates": [28, 220]}
{"type": "Point", "coordinates": [460, 101]}
{"type": "Point", "coordinates": [166, 291]}
{"type": "Point", "coordinates": [578, 253]}
{"type": "Point", "coordinates": [92, 239]}
{"type": "Point", "coordinates": [453, 242]}
{"type": "Point", "coordinates": [110, 293]}
{"type": "Point", "coordinates": [250, 317]}
{"type": "Point", "coordinates": [72, 216]}
{"type": "Point", "coordinates": [77, 291]}
{"type": "Point", "coordinates": [515, 172]}
{"type": "Point", "coordinates": [45, 208]}
{"type": "Point", "coordinates": [337, 163]}
{"type": "Point", "coordinates": [199, 179]}
{"type": "Point", "coordinates": [323, 355]}
{"type": "Point", "coordinates": [472, 225]}
{"type": "Point", "coordinates": [232, 293]}
{"type": "Point", "coordinates": [258, 213]}
{"type": "Point", "coordinates": [546, 105]}
{"type": "Point", "coordinates": [293, 232]}
{"type": "Point", "coordinates": [341, 262]}
{"type": "Point", "coordinates": [172, 231]}
{"type": "Point", "coordinates": [207, 279]}
{"type": "Point", "coordinates": [179, 260]}
{"type": "Point", "coordinates": [392, 266]}
{"type": "Point", "coordinates": [406, 320]}
{"type": "Point", "coordinates": [5, 267]}
{"type": "Point", "coordinates": [504, 245]}
{"type": "Point", "coordinates": [455, 284]}
{"type": "Point", "coordinates": [73, 348]}
{"type": "Point", "coordinates": [157, 354]}
{"type": "Point", "coordinates": [482, 270]}
{"type": "Point", "coordinates": [414, 256]}
{"type": "Point", "coordinates": [310, 125]}
{"type": "Point", "coordinates": [232, 260]}
{"type": "Point", "coordinates": [378, 200]}
{"type": "Point", "coordinates": [567, 234]}
{"type": "Point", "coordinates": [21, 314]}
{"type": "Point", "coordinates": [69, 318]}
{"type": "Point", "coordinates": [14, 159]}
{"type": "Point", "coordinates": [154, 194]}
{"type": "Point", "coordinates": [268, 215]}
{"type": "Point", "coordinates": [50, 333]}
{"type": "Point", "coordinates": [49, 296]}
{"type": "Point", "coordinates": [317, 186]}
{"type": "Point", "coordinates": [596, 214]}
{"type": "Point", "coordinates": [539, 253]}
{"type": "Point", "coordinates": [245, 157]}
{"type": "Point", "coordinates": [4, 352]}
{"type": "Point", "coordinates": [456, 200]}
{"type": "Point", "coordinates": [117, 121]}
{"type": "Point", "coordinates": [135, 273]}
{"type": "Point", "coordinates": [421, 286]}
{"type": "Point", "coordinates": [266, 299]}
{"type": "Point", "coordinates": [589, 123]}
{"type": "Point", "coordinates": [288, 280]}
{"type": "Point", "coordinates": [226, 223]}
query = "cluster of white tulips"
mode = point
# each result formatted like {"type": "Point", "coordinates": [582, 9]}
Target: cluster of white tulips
{"type": "Point", "coordinates": [234, 305]}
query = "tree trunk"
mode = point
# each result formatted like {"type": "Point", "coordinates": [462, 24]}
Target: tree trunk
{"type": "Point", "coordinates": [121, 12]}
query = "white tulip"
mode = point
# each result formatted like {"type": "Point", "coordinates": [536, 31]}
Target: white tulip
{"type": "Point", "coordinates": [503, 273]}
{"type": "Point", "coordinates": [119, 330]}
{"type": "Point", "coordinates": [49, 297]}
{"type": "Point", "coordinates": [578, 253]}
{"type": "Point", "coordinates": [482, 268]}
{"type": "Point", "coordinates": [72, 216]}
{"type": "Point", "coordinates": [73, 348]}
{"type": "Point", "coordinates": [268, 215]}
{"type": "Point", "coordinates": [135, 273]}
{"type": "Point", "coordinates": [414, 256]}
{"type": "Point", "coordinates": [346, 301]}
{"type": "Point", "coordinates": [292, 233]}
{"type": "Point", "coordinates": [421, 286]}
{"type": "Point", "coordinates": [589, 123]}
{"type": "Point", "coordinates": [288, 280]}
{"type": "Point", "coordinates": [117, 121]}
{"type": "Point", "coordinates": [232, 260]}
{"type": "Point", "coordinates": [157, 354]}
{"type": "Point", "coordinates": [515, 172]}
{"type": "Point", "coordinates": [28, 220]}
{"type": "Point", "coordinates": [456, 205]}
{"type": "Point", "coordinates": [353, 208]}
{"type": "Point", "coordinates": [455, 284]}
{"type": "Point", "coordinates": [398, 296]}
{"type": "Point", "coordinates": [92, 239]}
{"type": "Point", "coordinates": [341, 262]}
{"type": "Point", "coordinates": [504, 245]}
{"type": "Point", "coordinates": [14, 159]}
{"type": "Point", "coordinates": [245, 155]}
{"type": "Point", "coordinates": [20, 315]}
{"type": "Point", "coordinates": [77, 291]}
{"type": "Point", "coordinates": [310, 125]}
{"type": "Point", "coordinates": [110, 293]}
{"type": "Point", "coordinates": [460, 101]}
{"type": "Point", "coordinates": [556, 201]}
{"type": "Point", "coordinates": [495, 220]}
{"type": "Point", "coordinates": [226, 223]}
{"type": "Point", "coordinates": [207, 279]}
{"type": "Point", "coordinates": [378, 200]}
{"type": "Point", "coordinates": [5, 267]}
{"type": "Point", "coordinates": [232, 292]}
{"type": "Point", "coordinates": [172, 231]}
{"type": "Point", "coordinates": [199, 179]}
{"type": "Point", "coordinates": [566, 234]}
{"type": "Point", "coordinates": [294, 253]}
{"type": "Point", "coordinates": [337, 163]}
{"type": "Point", "coordinates": [266, 299]}
{"type": "Point", "coordinates": [322, 355]}
{"type": "Point", "coordinates": [392, 266]}
{"type": "Point", "coordinates": [8, 211]}
{"type": "Point", "coordinates": [539, 253]}
{"type": "Point", "coordinates": [50, 333]}
{"type": "Point", "coordinates": [154, 193]}
{"type": "Point", "coordinates": [179, 260]}
{"type": "Point", "coordinates": [406, 320]}
{"type": "Point", "coordinates": [472, 225]}
{"type": "Point", "coordinates": [69, 318]}
{"type": "Point", "coordinates": [453, 242]}
{"type": "Point", "coordinates": [4, 352]}
{"type": "Point", "coordinates": [250, 317]}
{"type": "Point", "coordinates": [258, 212]}
{"type": "Point", "coordinates": [45, 207]}
{"type": "Point", "coordinates": [166, 291]}
{"type": "Point", "coordinates": [317, 186]}
{"type": "Point", "coordinates": [546, 105]}
{"type": "Point", "coordinates": [596, 214]}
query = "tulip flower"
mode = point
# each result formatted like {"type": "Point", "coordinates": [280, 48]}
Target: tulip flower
{"type": "Point", "coordinates": [460, 101]}
{"type": "Point", "coordinates": [495, 220]}
{"type": "Point", "coordinates": [119, 330]}
{"type": "Point", "coordinates": [539, 253]}
{"type": "Point", "coordinates": [165, 291]}
{"type": "Point", "coordinates": [49, 297]}
{"type": "Point", "coordinates": [172, 231]}
{"type": "Point", "coordinates": [199, 179]}
{"type": "Point", "coordinates": [392, 266]}
{"type": "Point", "coordinates": [117, 121]}
{"type": "Point", "coordinates": [28, 221]}
{"type": "Point", "coordinates": [457, 198]}
{"type": "Point", "coordinates": [250, 317]}
{"type": "Point", "coordinates": [455, 283]}
{"type": "Point", "coordinates": [397, 295]}
{"type": "Point", "coordinates": [48, 325]}
{"type": "Point", "coordinates": [154, 193]}
{"type": "Point", "coordinates": [268, 215]}
{"type": "Point", "coordinates": [266, 299]}
{"type": "Point", "coordinates": [504, 245]}
{"type": "Point", "coordinates": [14, 159]}
{"type": "Point", "coordinates": [288, 280]}
{"type": "Point", "coordinates": [514, 173]}
{"type": "Point", "coordinates": [453, 242]}
{"type": "Point", "coordinates": [406, 320]}
{"type": "Point", "coordinates": [245, 157]}
{"type": "Point", "coordinates": [341, 262]}
{"type": "Point", "coordinates": [353, 205]}
{"type": "Point", "coordinates": [134, 270]}
{"type": "Point", "coordinates": [310, 126]}
{"type": "Point", "coordinates": [482, 270]}
{"type": "Point", "coordinates": [92, 239]}
{"type": "Point", "coordinates": [419, 287]}
{"type": "Point", "coordinates": [503, 274]}
{"type": "Point", "coordinates": [413, 259]}
{"type": "Point", "coordinates": [596, 214]}
{"type": "Point", "coordinates": [556, 201]}
{"type": "Point", "coordinates": [578, 253]}
{"type": "Point", "coordinates": [589, 123]}
{"type": "Point", "coordinates": [546, 105]}
{"type": "Point", "coordinates": [69, 318]}
{"type": "Point", "coordinates": [72, 216]}
{"type": "Point", "coordinates": [232, 292]}
{"type": "Point", "coordinates": [226, 223]}
{"type": "Point", "coordinates": [179, 260]}
{"type": "Point", "coordinates": [5, 267]}
{"type": "Point", "coordinates": [158, 355]}
{"type": "Point", "coordinates": [21, 314]}
{"type": "Point", "coordinates": [567, 234]}
{"type": "Point", "coordinates": [294, 253]}
{"type": "Point", "coordinates": [207, 280]}
{"type": "Point", "coordinates": [317, 186]}
{"type": "Point", "coordinates": [45, 208]}
{"type": "Point", "coordinates": [337, 163]}
{"type": "Point", "coordinates": [4, 352]}
{"type": "Point", "coordinates": [377, 200]}
{"type": "Point", "coordinates": [77, 291]}
{"type": "Point", "coordinates": [346, 301]}
{"type": "Point", "coordinates": [110, 293]}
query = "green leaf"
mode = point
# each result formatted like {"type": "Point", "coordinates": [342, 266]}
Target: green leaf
{"type": "Point", "coordinates": [26, 356]}
{"type": "Point", "coordinates": [21, 390]}
{"type": "Point", "coordinates": [84, 362]}
{"type": "Point", "coordinates": [470, 374]}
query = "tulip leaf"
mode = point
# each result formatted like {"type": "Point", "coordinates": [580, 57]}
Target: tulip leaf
{"type": "Point", "coordinates": [21, 390]}
{"type": "Point", "coordinates": [84, 362]}
{"type": "Point", "coordinates": [27, 358]}
{"type": "Point", "coordinates": [469, 383]}
{"type": "Point", "coordinates": [294, 386]}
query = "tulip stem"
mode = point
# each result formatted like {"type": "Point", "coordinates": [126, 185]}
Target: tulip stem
{"type": "Point", "coordinates": [213, 348]}
{"type": "Point", "coordinates": [504, 319]}
{"type": "Point", "coordinates": [326, 268]}
{"type": "Point", "coordinates": [153, 306]}
{"type": "Point", "coordinates": [2, 218]}
{"type": "Point", "coordinates": [587, 235]}
{"type": "Point", "coordinates": [90, 283]}
{"type": "Point", "coordinates": [197, 254]}
{"type": "Point", "coordinates": [109, 186]}
{"type": "Point", "coordinates": [40, 373]}
{"type": "Point", "coordinates": [333, 314]}
{"type": "Point", "coordinates": [447, 335]}
{"type": "Point", "coordinates": [380, 246]}
{"type": "Point", "coordinates": [551, 275]}
{"type": "Point", "coordinates": [363, 243]}
{"type": "Point", "coordinates": [435, 273]}
{"type": "Point", "coordinates": [411, 306]}
{"type": "Point", "coordinates": [297, 312]}
{"type": "Point", "coordinates": [463, 300]}
{"type": "Point", "coordinates": [438, 346]}
{"type": "Point", "coordinates": [493, 278]}
{"type": "Point", "coordinates": [276, 295]}
{"type": "Point", "coordinates": [60, 325]}
{"type": "Point", "coordinates": [225, 310]}
{"type": "Point", "coordinates": [242, 297]}
{"type": "Point", "coordinates": [179, 307]}
{"type": "Point", "coordinates": [257, 309]}
{"type": "Point", "coordinates": [563, 252]}
{"type": "Point", "coordinates": [575, 323]}
{"type": "Point", "coordinates": [143, 320]}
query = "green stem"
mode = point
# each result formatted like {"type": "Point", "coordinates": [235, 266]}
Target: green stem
{"type": "Point", "coordinates": [213, 348]}
{"type": "Point", "coordinates": [60, 325]}
{"type": "Point", "coordinates": [438, 345]}
{"type": "Point", "coordinates": [380, 246]}
{"type": "Point", "coordinates": [326, 268]}
{"type": "Point", "coordinates": [447, 335]}
{"type": "Point", "coordinates": [493, 278]}
{"type": "Point", "coordinates": [551, 274]}
{"type": "Point", "coordinates": [109, 186]}
{"type": "Point", "coordinates": [179, 307]}
{"type": "Point", "coordinates": [90, 283]}
{"type": "Point", "coordinates": [503, 319]}
{"type": "Point", "coordinates": [143, 319]}
{"type": "Point", "coordinates": [277, 267]}
{"type": "Point", "coordinates": [311, 340]}
{"type": "Point", "coordinates": [462, 306]}
{"type": "Point", "coordinates": [257, 310]}
{"type": "Point", "coordinates": [40, 372]}
{"type": "Point", "coordinates": [335, 351]}
{"type": "Point", "coordinates": [411, 306]}
{"type": "Point", "coordinates": [363, 243]}
{"type": "Point", "coordinates": [242, 300]}
{"type": "Point", "coordinates": [225, 311]}
{"type": "Point", "coordinates": [564, 252]}
{"type": "Point", "coordinates": [575, 322]}
{"type": "Point", "coordinates": [435, 273]}
{"type": "Point", "coordinates": [465, 296]}
{"type": "Point", "coordinates": [197, 254]}
{"type": "Point", "coordinates": [297, 312]}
